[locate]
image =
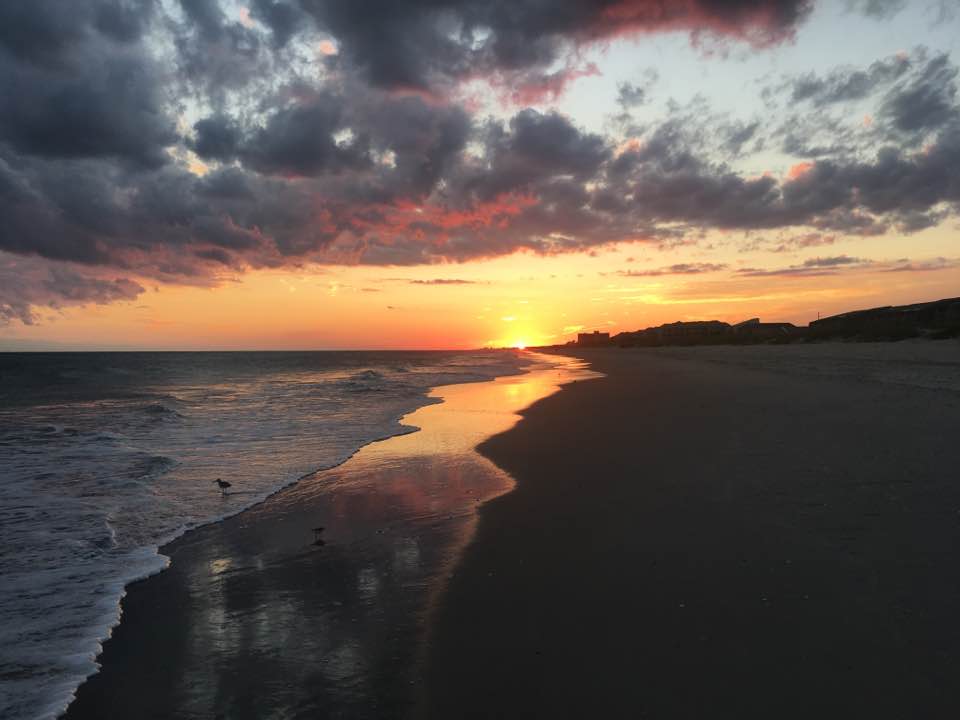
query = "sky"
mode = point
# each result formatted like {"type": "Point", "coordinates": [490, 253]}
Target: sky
{"type": "Point", "coordinates": [315, 174]}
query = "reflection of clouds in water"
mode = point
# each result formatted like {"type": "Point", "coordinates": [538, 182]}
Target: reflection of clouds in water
{"type": "Point", "coordinates": [368, 583]}
{"type": "Point", "coordinates": [272, 625]}
{"type": "Point", "coordinates": [345, 663]}
{"type": "Point", "coordinates": [279, 628]}
{"type": "Point", "coordinates": [219, 565]}
{"type": "Point", "coordinates": [406, 556]}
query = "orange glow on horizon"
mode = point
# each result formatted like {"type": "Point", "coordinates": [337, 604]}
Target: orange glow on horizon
{"type": "Point", "coordinates": [517, 301]}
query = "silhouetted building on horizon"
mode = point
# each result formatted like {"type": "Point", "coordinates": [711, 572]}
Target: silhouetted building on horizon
{"type": "Point", "coordinates": [709, 332]}
{"type": "Point", "coordinates": [940, 317]}
{"type": "Point", "coordinates": [936, 319]}
{"type": "Point", "coordinates": [594, 339]}
{"type": "Point", "coordinates": [753, 329]}
{"type": "Point", "coordinates": [692, 329]}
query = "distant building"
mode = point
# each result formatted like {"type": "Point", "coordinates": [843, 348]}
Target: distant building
{"type": "Point", "coordinates": [709, 332]}
{"type": "Point", "coordinates": [940, 316]}
{"type": "Point", "coordinates": [594, 339]}
{"type": "Point", "coordinates": [753, 329]}
{"type": "Point", "coordinates": [692, 330]}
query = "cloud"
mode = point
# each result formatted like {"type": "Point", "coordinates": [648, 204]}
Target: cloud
{"type": "Point", "coordinates": [534, 88]}
{"type": "Point", "coordinates": [299, 141]}
{"type": "Point", "coordinates": [217, 138]}
{"type": "Point", "coordinates": [848, 84]}
{"type": "Point", "coordinates": [443, 281]}
{"type": "Point", "coordinates": [814, 267]}
{"type": "Point", "coordinates": [939, 263]}
{"type": "Point", "coordinates": [820, 266]}
{"type": "Point", "coordinates": [878, 9]}
{"type": "Point", "coordinates": [926, 100]}
{"type": "Point", "coordinates": [912, 95]}
{"type": "Point", "coordinates": [834, 261]}
{"type": "Point", "coordinates": [633, 94]}
{"type": "Point", "coordinates": [27, 283]}
{"type": "Point", "coordinates": [283, 18]}
{"type": "Point", "coordinates": [678, 269]}
{"type": "Point", "coordinates": [425, 44]}
{"type": "Point", "coordinates": [105, 103]}
{"type": "Point", "coordinates": [803, 241]}
{"type": "Point", "coordinates": [370, 157]}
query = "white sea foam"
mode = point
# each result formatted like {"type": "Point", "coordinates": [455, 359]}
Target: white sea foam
{"type": "Point", "coordinates": [105, 458]}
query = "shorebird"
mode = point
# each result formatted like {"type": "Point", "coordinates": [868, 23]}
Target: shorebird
{"type": "Point", "coordinates": [223, 485]}
{"type": "Point", "coordinates": [317, 532]}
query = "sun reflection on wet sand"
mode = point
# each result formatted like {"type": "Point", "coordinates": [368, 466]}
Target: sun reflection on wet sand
{"type": "Point", "coordinates": [276, 625]}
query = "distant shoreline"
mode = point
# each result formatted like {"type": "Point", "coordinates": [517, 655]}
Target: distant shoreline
{"type": "Point", "coordinates": [937, 320]}
{"type": "Point", "coordinates": [261, 614]}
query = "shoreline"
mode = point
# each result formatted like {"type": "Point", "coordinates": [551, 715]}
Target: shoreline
{"type": "Point", "coordinates": [132, 638]}
{"type": "Point", "coordinates": [154, 559]}
{"type": "Point", "coordinates": [695, 537]}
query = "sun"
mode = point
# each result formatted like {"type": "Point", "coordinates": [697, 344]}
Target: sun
{"type": "Point", "coordinates": [520, 345]}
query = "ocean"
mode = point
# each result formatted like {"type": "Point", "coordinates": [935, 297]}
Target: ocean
{"type": "Point", "coordinates": [104, 457]}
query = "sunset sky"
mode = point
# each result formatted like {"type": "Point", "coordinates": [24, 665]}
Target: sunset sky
{"type": "Point", "coordinates": [193, 174]}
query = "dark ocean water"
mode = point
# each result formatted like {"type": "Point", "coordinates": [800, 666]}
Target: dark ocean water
{"type": "Point", "coordinates": [106, 456]}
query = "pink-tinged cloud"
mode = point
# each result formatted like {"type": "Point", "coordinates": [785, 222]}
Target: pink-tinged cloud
{"type": "Point", "coordinates": [28, 283]}
{"type": "Point", "coordinates": [541, 88]}
{"type": "Point", "coordinates": [373, 160]}
{"type": "Point", "coordinates": [436, 224]}
{"type": "Point", "coordinates": [799, 170]}
{"type": "Point", "coordinates": [758, 23]}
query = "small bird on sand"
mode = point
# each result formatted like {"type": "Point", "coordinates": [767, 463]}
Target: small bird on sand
{"type": "Point", "coordinates": [317, 532]}
{"type": "Point", "coordinates": [223, 485]}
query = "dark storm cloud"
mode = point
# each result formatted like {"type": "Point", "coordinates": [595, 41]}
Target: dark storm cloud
{"type": "Point", "coordinates": [26, 283]}
{"type": "Point", "coordinates": [299, 141]}
{"type": "Point", "coordinates": [217, 138]}
{"type": "Point", "coordinates": [104, 103]}
{"type": "Point", "coordinates": [423, 43]}
{"type": "Point", "coordinates": [365, 158]}
{"type": "Point", "coordinates": [536, 147]}
{"type": "Point", "coordinates": [48, 32]}
{"type": "Point", "coordinates": [425, 139]}
{"type": "Point", "coordinates": [283, 18]}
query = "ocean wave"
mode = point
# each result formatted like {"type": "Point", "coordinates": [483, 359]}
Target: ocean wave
{"type": "Point", "coordinates": [366, 381]}
{"type": "Point", "coordinates": [160, 411]}
{"type": "Point", "coordinates": [94, 485]}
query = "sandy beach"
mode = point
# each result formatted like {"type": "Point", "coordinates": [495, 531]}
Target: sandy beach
{"type": "Point", "coordinates": [253, 619]}
{"type": "Point", "coordinates": [746, 532]}
{"type": "Point", "coordinates": [759, 532]}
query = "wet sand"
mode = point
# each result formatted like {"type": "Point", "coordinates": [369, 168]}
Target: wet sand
{"type": "Point", "coordinates": [718, 533]}
{"type": "Point", "coordinates": [703, 533]}
{"type": "Point", "coordinates": [253, 620]}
